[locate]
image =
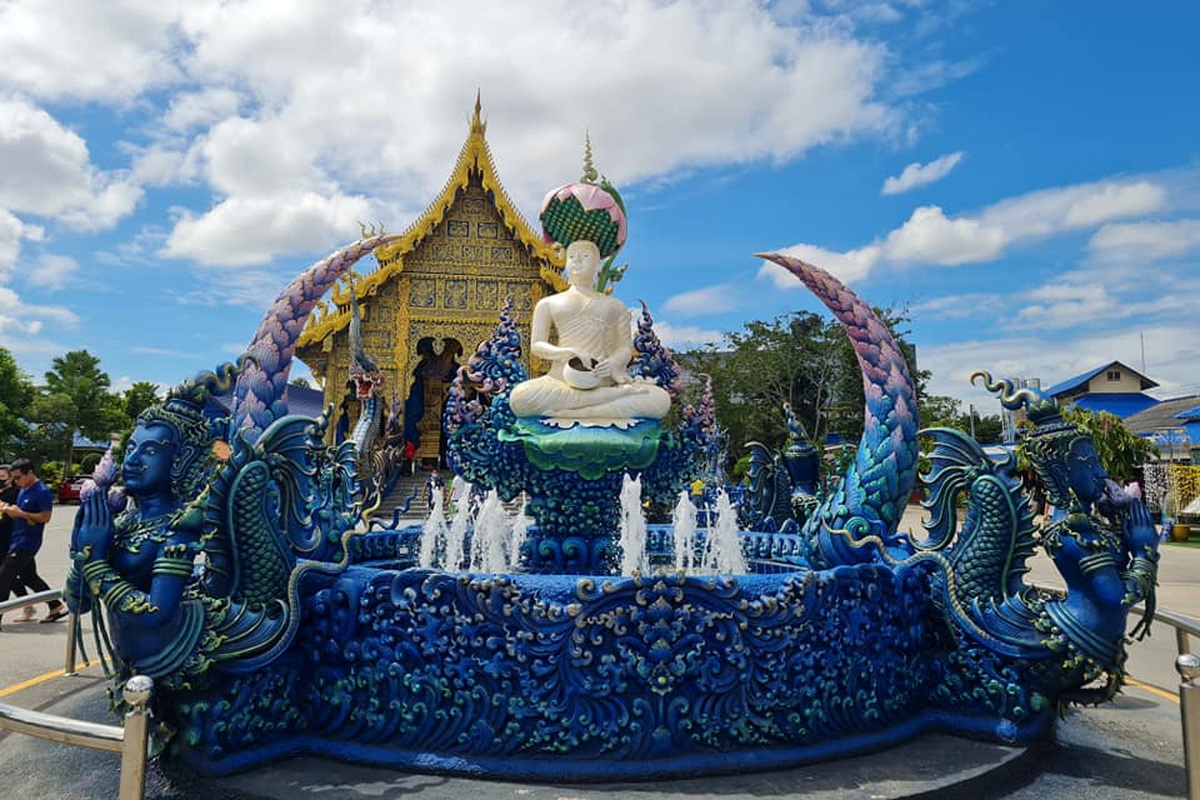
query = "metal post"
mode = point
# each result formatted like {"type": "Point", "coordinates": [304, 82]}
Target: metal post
{"type": "Point", "coordinates": [72, 632]}
{"type": "Point", "coordinates": [1188, 666]}
{"type": "Point", "coordinates": [1183, 642]}
{"type": "Point", "coordinates": [133, 753]}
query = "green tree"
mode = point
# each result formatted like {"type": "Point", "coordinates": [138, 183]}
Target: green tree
{"type": "Point", "coordinates": [1121, 451]}
{"type": "Point", "coordinates": [988, 429]}
{"type": "Point", "coordinates": [16, 393]}
{"type": "Point", "coordinates": [800, 358]}
{"type": "Point", "coordinates": [137, 398]}
{"type": "Point", "coordinates": [786, 360]}
{"type": "Point", "coordinates": [938, 411]}
{"type": "Point", "coordinates": [83, 402]}
{"type": "Point", "coordinates": [50, 437]}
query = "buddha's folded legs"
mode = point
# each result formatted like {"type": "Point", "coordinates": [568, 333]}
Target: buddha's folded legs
{"type": "Point", "coordinates": [548, 397]}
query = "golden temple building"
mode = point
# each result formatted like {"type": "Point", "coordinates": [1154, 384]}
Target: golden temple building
{"type": "Point", "coordinates": [436, 294]}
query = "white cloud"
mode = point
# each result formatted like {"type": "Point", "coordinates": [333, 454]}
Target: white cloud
{"type": "Point", "coordinates": [162, 166]}
{"type": "Point", "coordinates": [45, 170]}
{"type": "Point", "coordinates": [1076, 207]}
{"type": "Point", "coordinates": [201, 109]}
{"type": "Point", "coordinates": [242, 231]}
{"type": "Point", "coordinates": [52, 271]}
{"type": "Point", "coordinates": [1062, 305]}
{"type": "Point", "coordinates": [1145, 242]}
{"type": "Point", "coordinates": [1086, 298]}
{"type": "Point", "coordinates": [260, 99]}
{"type": "Point", "coordinates": [256, 157]}
{"type": "Point", "coordinates": [12, 232]}
{"type": "Point", "coordinates": [31, 318]}
{"type": "Point", "coordinates": [918, 174]}
{"type": "Point", "coordinates": [709, 300]}
{"type": "Point", "coordinates": [678, 337]}
{"type": "Point", "coordinates": [933, 75]}
{"type": "Point", "coordinates": [960, 306]}
{"type": "Point", "coordinates": [1171, 353]}
{"type": "Point", "coordinates": [110, 205]}
{"type": "Point", "coordinates": [165, 352]}
{"type": "Point", "coordinates": [848, 267]}
{"type": "Point", "coordinates": [82, 50]}
{"type": "Point", "coordinates": [250, 288]}
{"type": "Point", "coordinates": [930, 237]}
{"type": "Point", "coordinates": [312, 98]}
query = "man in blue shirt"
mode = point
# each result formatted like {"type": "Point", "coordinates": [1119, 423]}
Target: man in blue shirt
{"type": "Point", "coordinates": [29, 514]}
{"type": "Point", "coordinates": [8, 494]}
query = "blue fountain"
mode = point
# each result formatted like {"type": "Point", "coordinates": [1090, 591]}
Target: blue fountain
{"type": "Point", "coordinates": [242, 581]}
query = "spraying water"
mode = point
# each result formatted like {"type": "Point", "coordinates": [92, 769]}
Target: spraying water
{"type": "Point", "coordinates": [489, 545]}
{"type": "Point", "coordinates": [433, 535]}
{"type": "Point", "coordinates": [683, 522]}
{"type": "Point", "coordinates": [520, 529]}
{"type": "Point", "coordinates": [457, 535]}
{"type": "Point", "coordinates": [633, 527]}
{"type": "Point", "coordinates": [723, 548]}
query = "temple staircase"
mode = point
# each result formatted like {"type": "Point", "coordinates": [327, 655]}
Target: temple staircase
{"type": "Point", "coordinates": [418, 511]}
{"type": "Point", "coordinates": [405, 486]}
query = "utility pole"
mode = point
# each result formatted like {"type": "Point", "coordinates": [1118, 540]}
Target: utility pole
{"type": "Point", "coordinates": [971, 411]}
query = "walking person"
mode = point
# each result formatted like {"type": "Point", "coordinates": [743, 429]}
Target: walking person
{"type": "Point", "coordinates": [29, 515]}
{"type": "Point", "coordinates": [8, 494]}
{"type": "Point", "coordinates": [434, 481]}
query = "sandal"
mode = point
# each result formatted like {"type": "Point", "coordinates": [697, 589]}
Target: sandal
{"type": "Point", "coordinates": [56, 615]}
{"type": "Point", "coordinates": [28, 614]}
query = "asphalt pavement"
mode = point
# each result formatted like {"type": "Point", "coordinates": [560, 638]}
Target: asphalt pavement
{"type": "Point", "coordinates": [1128, 749]}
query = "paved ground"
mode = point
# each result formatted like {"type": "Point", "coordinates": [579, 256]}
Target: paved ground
{"type": "Point", "coordinates": [1128, 749]}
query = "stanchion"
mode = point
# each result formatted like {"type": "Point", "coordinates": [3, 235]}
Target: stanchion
{"type": "Point", "coordinates": [133, 753]}
{"type": "Point", "coordinates": [72, 643]}
{"type": "Point", "coordinates": [1188, 666]}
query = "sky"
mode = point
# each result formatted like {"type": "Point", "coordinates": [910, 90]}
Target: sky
{"type": "Point", "coordinates": [1023, 177]}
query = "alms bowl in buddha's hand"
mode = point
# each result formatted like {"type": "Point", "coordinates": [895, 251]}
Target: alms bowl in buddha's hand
{"type": "Point", "coordinates": [578, 374]}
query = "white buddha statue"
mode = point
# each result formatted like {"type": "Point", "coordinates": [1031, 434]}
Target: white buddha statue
{"type": "Point", "coordinates": [588, 382]}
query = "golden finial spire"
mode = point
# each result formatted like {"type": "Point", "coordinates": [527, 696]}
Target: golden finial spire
{"type": "Point", "coordinates": [589, 169]}
{"type": "Point", "coordinates": [477, 123]}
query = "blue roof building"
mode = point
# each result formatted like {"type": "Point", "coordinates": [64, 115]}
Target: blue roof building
{"type": "Point", "coordinates": [1173, 425]}
{"type": "Point", "coordinates": [1114, 387]}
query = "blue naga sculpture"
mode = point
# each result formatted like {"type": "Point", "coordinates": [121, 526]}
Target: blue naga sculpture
{"type": "Point", "coordinates": [255, 498]}
{"type": "Point", "coordinates": [242, 580]}
{"type": "Point", "coordinates": [783, 486]}
{"type": "Point", "coordinates": [367, 379]}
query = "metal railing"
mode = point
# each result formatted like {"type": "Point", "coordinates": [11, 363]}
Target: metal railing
{"type": "Point", "coordinates": [131, 740]}
{"type": "Point", "coordinates": [1187, 664]}
{"type": "Point", "coordinates": [48, 596]}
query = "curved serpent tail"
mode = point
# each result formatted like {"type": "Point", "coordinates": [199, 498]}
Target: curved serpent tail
{"type": "Point", "coordinates": [260, 396]}
{"type": "Point", "coordinates": [860, 517]}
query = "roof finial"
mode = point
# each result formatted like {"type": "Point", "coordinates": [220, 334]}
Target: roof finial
{"type": "Point", "coordinates": [477, 123]}
{"type": "Point", "coordinates": [589, 169]}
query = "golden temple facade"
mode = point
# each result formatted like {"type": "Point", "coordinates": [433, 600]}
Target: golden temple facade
{"type": "Point", "coordinates": [437, 292]}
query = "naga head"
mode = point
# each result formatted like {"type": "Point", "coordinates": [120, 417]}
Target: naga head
{"type": "Point", "coordinates": [365, 383]}
{"type": "Point", "coordinates": [364, 372]}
